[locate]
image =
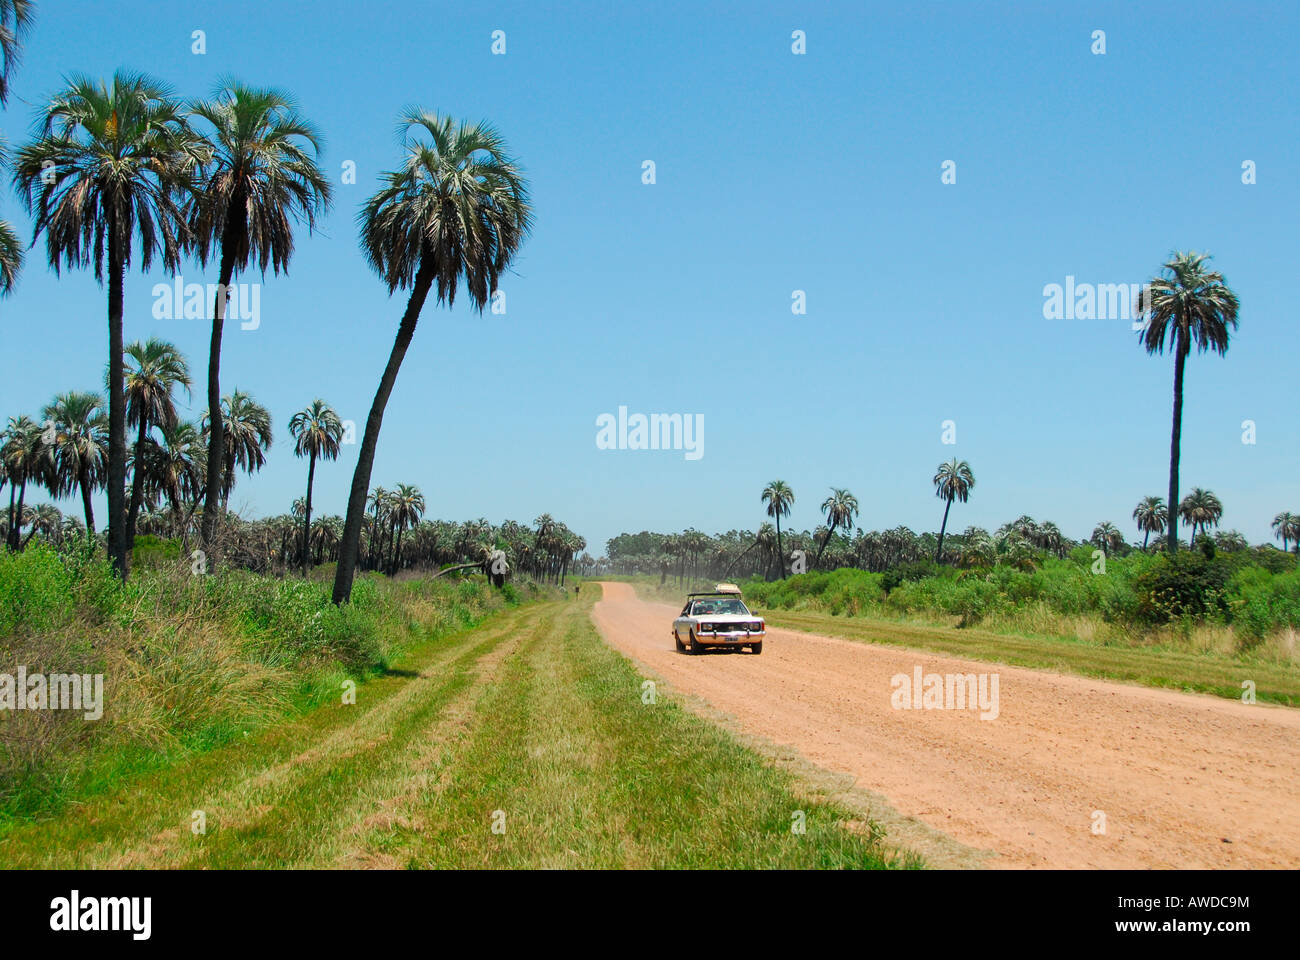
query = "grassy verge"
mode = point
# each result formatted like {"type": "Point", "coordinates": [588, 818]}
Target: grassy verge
{"type": "Point", "coordinates": [527, 722]}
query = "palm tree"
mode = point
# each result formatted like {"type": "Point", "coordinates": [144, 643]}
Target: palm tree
{"type": "Point", "coordinates": [110, 164]}
{"type": "Point", "coordinates": [779, 498]}
{"type": "Point", "coordinates": [262, 177]}
{"type": "Point", "coordinates": [15, 21]}
{"type": "Point", "coordinates": [79, 451]}
{"type": "Point", "coordinates": [1286, 527]}
{"type": "Point", "coordinates": [840, 508]}
{"type": "Point", "coordinates": [1151, 515]}
{"type": "Point", "coordinates": [378, 502]}
{"type": "Point", "coordinates": [247, 436]}
{"type": "Point", "coordinates": [406, 507]}
{"type": "Point", "coordinates": [1190, 305]}
{"type": "Point", "coordinates": [153, 369]}
{"type": "Point", "coordinates": [175, 468]}
{"type": "Point", "coordinates": [458, 206]}
{"type": "Point", "coordinates": [1202, 509]}
{"type": "Point", "coordinates": [953, 481]}
{"type": "Point", "coordinates": [317, 432]}
{"type": "Point", "coordinates": [1107, 536]}
{"type": "Point", "coordinates": [25, 458]}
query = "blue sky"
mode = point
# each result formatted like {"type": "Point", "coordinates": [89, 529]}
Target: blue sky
{"type": "Point", "coordinates": [774, 173]}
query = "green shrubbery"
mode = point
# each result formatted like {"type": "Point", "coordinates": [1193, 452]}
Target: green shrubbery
{"type": "Point", "coordinates": [1258, 590]}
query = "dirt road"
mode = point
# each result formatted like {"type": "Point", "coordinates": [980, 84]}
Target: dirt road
{"type": "Point", "coordinates": [1182, 780]}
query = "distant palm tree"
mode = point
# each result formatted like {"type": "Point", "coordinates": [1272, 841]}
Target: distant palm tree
{"type": "Point", "coordinates": [1189, 305]}
{"type": "Point", "coordinates": [406, 507]}
{"type": "Point", "coordinates": [840, 508]}
{"type": "Point", "coordinates": [1202, 509]}
{"type": "Point", "coordinates": [1286, 527]}
{"type": "Point", "coordinates": [1151, 515]}
{"type": "Point", "coordinates": [108, 167]}
{"type": "Point", "coordinates": [175, 469]}
{"type": "Point", "coordinates": [378, 502]}
{"type": "Point", "coordinates": [46, 520]}
{"type": "Point", "coordinates": [1107, 536]}
{"type": "Point", "coordinates": [80, 447]}
{"type": "Point", "coordinates": [953, 481]}
{"type": "Point", "coordinates": [457, 207]}
{"type": "Point", "coordinates": [25, 458]}
{"type": "Point", "coordinates": [247, 437]}
{"type": "Point", "coordinates": [262, 177]}
{"type": "Point", "coordinates": [153, 369]}
{"type": "Point", "coordinates": [317, 432]}
{"type": "Point", "coordinates": [779, 499]}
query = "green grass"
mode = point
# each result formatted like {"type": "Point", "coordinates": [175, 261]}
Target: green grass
{"type": "Point", "coordinates": [529, 714]}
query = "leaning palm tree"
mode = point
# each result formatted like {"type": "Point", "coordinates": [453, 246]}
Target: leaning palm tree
{"type": "Point", "coordinates": [1188, 305]}
{"type": "Point", "coordinates": [109, 166]}
{"type": "Point", "coordinates": [1202, 509]}
{"type": "Point", "coordinates": [317, 432]}
{"type": "Point", "coordinates": [457, 207]}
{"type": "Point", "coordinates": [153, 369]}
{"type": "Point", "coordinates": [953, 481]}
{"type": "Point", "coordinates": [80, 449]}
{"type": "Point", "coordinates": [1151, 515]}
{"type": "Point", "coordinates": [406, 507]}
{"type": "Point", "coordinates": [1286, 527]}
{"type": "Point", "coordinates": [262, 178]}
{"type": "Point", "coordinates": [247, 438]}
{"type": "Point", "coordinates": [840, 508]}
{"type": "Point", "coordinates": [779, 499]}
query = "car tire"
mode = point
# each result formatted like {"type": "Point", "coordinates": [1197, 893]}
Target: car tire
{"type": "Point", "coordinates": [677, 639]}
{"type": "Point", "coordinates": [757, 648]}
{"type": "Point", "coordinates": [696, 647]}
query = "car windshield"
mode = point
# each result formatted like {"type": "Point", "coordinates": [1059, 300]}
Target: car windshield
{"type": "Point", "coordinates": [721, 607]}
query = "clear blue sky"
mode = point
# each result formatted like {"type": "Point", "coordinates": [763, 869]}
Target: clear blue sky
{"type": "Point", "coordinates": [775, 172]}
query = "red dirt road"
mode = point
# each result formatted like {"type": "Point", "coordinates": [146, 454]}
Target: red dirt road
{"type": "Point", "coordinates": [1183, 780]}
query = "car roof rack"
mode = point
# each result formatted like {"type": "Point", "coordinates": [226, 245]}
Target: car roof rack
{"type": "Point", "coordinates": [722, 590]}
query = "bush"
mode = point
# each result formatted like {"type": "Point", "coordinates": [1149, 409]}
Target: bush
{"type": "Point", "coordinates": [1190, 584]}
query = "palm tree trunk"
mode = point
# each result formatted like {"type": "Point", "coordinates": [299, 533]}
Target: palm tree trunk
{"type": "Point", "coordinates": [86, 504]}
{"type": "Point", "coordinates": [780, 550]}
{"type": "Point", "coordinates": [16, 524]}
{"type": "Point", "coordinates": [1146, 540]}
{"type": "Point", "coordinates": [137, 486]}
{"type": "Point", "coordinates": [366, 459]}
{"type": "Point", "coordinates": [116, 407]}
{"type": "Point", "coordinates": [13, 491]}
{"type": "Point", "coordinates": [397, 550]}
{"type": "Point", "coordinates": [938, 551]}
{"type": "Point", "coordinates": [1180, 358]}
{"type": "Point", "coordinates": [829, 533]}
{"type": "Point", "coordinates": [216, 435]}
{"type": "Point", "coordinates": [306, 526]}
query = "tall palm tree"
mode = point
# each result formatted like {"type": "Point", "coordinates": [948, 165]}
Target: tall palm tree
{"type": "Point", "coordinates": [247, 438]}
{"type": "Point", "coordinates": [317, 432]}
{"type": "Point", "coordinates": [1189, 305]}
{"type": "Point", "coordinates": [153, 369]}
{"type": "Point", "coordinates": [1286, 527]}
{"type": "Point", "coordinates": [261, 179]}
{"type": "Point", "coordinates": [779, 499]}
{"type": "Point", "coordinates": [109, 167]}
{"type": "Point", "coordinates": [1202, 509]}
{"type": "Point", "coordinates": [953, 481]}
{"type": "Point", "coordinates": [25, 458]}
{"type": "Point", "coordinates": [457, 207]}
{"type": "Point", "coordinates": [840, 508]}
{"type": "Point", "coordinates": [405, 509]}
{"type": "Point", "coordinates": [1151, 515]}
{"type": "Point", "coordinates": [80, 448]}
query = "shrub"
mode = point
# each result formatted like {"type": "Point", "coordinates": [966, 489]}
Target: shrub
{"type": "Point", "coordinates": [1190, 584]}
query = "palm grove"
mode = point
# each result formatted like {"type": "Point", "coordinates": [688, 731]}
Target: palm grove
{"type": "Point", "coordinates": [124, 171]}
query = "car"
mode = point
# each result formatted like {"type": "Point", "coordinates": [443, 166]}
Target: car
{"type": "Point", "coordinates": [718, 618]}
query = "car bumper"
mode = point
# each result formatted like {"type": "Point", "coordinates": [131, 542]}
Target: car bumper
{"type": "Point", "coordinates": [733, 639]}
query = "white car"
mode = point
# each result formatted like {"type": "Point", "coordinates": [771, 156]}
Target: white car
{"type": "Point", "coordinates": [718, 618]}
